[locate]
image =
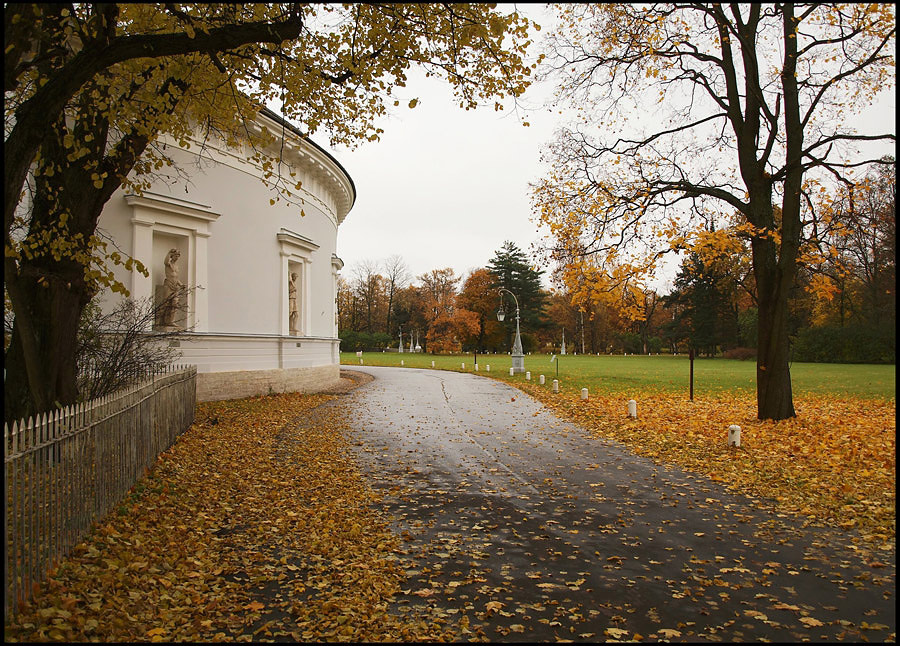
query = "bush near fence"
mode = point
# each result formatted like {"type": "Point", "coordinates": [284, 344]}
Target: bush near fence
{"type": "Point", "coordinates": [67, 469]}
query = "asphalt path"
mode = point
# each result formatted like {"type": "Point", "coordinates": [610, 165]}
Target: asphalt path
{"type": "Point", "coordinates": [534, 530]}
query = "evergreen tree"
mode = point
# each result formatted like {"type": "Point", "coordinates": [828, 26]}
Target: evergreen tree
{"type": "Point", "coordinates": [704, 313]}
{"type": "Point", "coordinates": [510, 269]}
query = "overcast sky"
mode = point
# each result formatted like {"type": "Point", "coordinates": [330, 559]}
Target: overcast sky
{"type": "Point", "coordinates": [445, 187]}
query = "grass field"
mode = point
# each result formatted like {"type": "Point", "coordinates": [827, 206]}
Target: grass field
{"type": "Point", "coordinates": [620, 374]}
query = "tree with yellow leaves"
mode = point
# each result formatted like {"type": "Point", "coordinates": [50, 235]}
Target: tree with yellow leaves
{"type": "Point", "coordinates": [90, 88]}
{"type": "Point", "coordinates": [704, 110]}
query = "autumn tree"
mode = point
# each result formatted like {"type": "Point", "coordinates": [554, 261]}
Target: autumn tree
{"type": "Point", "coordinates": [858, 278]}
{"type": "Point", "coordinates": [647, 324]}
{"type": "Point", "coordinates": [479, 295]}
{"type": "Point", "coordinates": [438, 291]}
{"type": "Point", "coordinates": [369, 286]}
{"type": "Point", "coordinates": [702, 110]}
{"type": "Point", "coordinates": [396, 277]}
{"type": "Point", "coordinates": [560, 314]}
{"type": "Point", "coordinates": [94, 92]}
{"type": "Point", "coordinates": [346, 305]}
{"type": "Point", "coordinates": [410, 313]}
{"type": "Point", "coordinates": [850, 298]}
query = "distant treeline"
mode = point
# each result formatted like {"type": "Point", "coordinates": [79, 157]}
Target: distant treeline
{"type": "Point", "coordinates": [843, 311]}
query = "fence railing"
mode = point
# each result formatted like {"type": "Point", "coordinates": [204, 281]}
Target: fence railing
{"type": "Point", "coordinates": [67, 469]}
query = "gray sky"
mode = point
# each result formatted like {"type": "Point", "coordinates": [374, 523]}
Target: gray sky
{"type": "Point", "coordinates": [445, 187]}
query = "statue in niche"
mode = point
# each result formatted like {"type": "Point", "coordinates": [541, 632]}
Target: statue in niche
{"type": "Point", "coordinates": [172, 289]}
{"type": "Point", "coordinates": [292, 303]}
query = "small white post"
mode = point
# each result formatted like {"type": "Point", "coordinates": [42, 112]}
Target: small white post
{"type": "Point", "coordinates": [734, 435]}
{"type": "Point", "coordinates": [556, 385]}
{"type": "Point", "coordinates": [463, 366]}
{"type": "Point", "coordinates": [476, 367]}
{"type": "Point", "coordinates": [528, 376]}
{"type": "Point", "coordinates": [511, 372]}
{"type": "Point", "coordinates": [632, 408]}
{"type": "Point", "coordinates": [432, 364]}
{"type": "Point", "coordinates": [541, 379]}
{"type": "Point", "coordinates": [360, 362]}
{"type": "Point", "coordinates": [401, 362]}
{"type": "Point", "coordinates": [584, 393]}
{"type": "Point", "coordinates": [488, 367]}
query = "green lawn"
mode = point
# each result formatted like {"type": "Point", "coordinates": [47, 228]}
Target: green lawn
{"type": "Point", "coordinates": [634, 373]}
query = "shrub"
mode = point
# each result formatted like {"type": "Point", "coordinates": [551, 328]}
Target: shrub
{"type": "Point", "coordinates": [741, 354]}
{"type": "Point", "coordinates": [852, 344]}
{"type": "Point", "coordinates": [353, 341]}
{"type": "Point", "coordinates": [631, 343]}
{"type": "Point", "coordinates": [114, 348]}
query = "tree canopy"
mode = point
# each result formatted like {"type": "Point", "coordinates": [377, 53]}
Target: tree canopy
{"type": "Point", "coordinates": [701, 113]}
{"type": "Point", "coordinates": [512, 270]}
{"type": "Point", "coordinates": [91, 88]}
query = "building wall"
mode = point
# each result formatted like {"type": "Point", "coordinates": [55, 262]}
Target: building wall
{"type": "Point", "coordinates": [237, 250]}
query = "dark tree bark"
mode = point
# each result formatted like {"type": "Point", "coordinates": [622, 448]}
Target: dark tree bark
{"type": "Point", "coordinates": [46, 105]}
{"type": "Point", "coordinates": [50, 293]}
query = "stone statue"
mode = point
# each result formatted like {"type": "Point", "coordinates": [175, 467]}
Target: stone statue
{"type": "Point", "coordinates": [172, 289]}
{"type": "Point", "coordinates": [292, 303]}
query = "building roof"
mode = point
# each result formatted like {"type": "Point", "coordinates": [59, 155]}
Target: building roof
{"type": "Point", "coordinates": [283, 122]}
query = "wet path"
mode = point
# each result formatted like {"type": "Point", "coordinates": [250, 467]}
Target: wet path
{"type": "Point", "coordinates": [536, 532]}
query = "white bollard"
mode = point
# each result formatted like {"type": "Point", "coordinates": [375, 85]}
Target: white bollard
{"type": "Point", "coordinates": [360, 362]}
{"type": "Point", "coordinates": [488, 367]}
{"type": "Point", "coordinates": [734, 435]}
{"type": "Point", "coordinates": [512, 372]}
{"type": "Point", "coordinates": [432, 364]}
{"type": "Point", "coordinates": [632, 408]}
{"type": "Point", "coordinates": [401, 362]}
{"type": "Point", "coordinates": [463, 366]}
{"type": "Point", "coordinates": [476, 367]}
{"type": "Point", "coordinates": [542, 379]}
{"type": "Point", "coordinates": [556, 385]}
{"type": "Point", "coordinates": [584, 393]}
{"type": "Point", "coordinates": [528, 376]}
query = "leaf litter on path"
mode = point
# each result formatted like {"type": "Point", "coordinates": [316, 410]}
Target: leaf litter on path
{"type": "Point", "coordinates": [255, 525]}
{"type": "Point", "coordinates": [834, 464]}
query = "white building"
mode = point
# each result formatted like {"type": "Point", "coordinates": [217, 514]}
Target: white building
{"type": "Point", "coordinates": [237, 252]}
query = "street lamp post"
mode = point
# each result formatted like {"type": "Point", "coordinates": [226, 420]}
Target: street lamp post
{"type": "Point", "coordinates": [518, 357]}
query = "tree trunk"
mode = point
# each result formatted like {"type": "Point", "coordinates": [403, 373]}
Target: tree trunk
{"type": "Point", "coordinates": [54, 313]}
{"type": "Point", "coordinates": [774, 397]}
{"type": "Point", "coordinates": [773, 377]}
